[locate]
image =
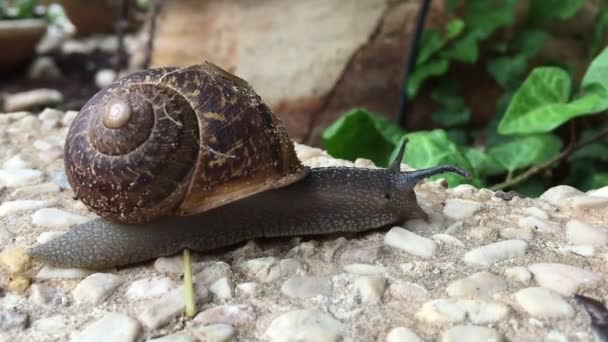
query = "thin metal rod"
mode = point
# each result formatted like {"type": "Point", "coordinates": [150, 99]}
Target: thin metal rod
{"type": "Point", "coordinates": [410, 63]}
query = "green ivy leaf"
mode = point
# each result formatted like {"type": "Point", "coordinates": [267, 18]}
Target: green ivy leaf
{"type": "Point", "coordinates": [25, 8]}
{"type": "Point", "coordinates": [600, 30]}
{"type": "Point", "coordinates": [453, 110]}
{"type": "Point", "coordinates": [507, 71]}
{"type": "Point", "coordinates": [433, 148]}
{"type": "Point", "coordinates": [540, 105]}
{"type": "Point", "coordinates": [422, 72]}
{"type": "Point", "coordinates": [529, 41]}
{"type": "Point", "coordinates": [360, 133]}
{"type": "Point", "coordinates": [430, 42]}
{"type": "Point", "coordinates": [543, 10]}
{"type": "Point", "coordinates": [485, 16]}
{"type": "Point", "coordinates": [526, 151]}
{"type": "Point", "coordinates": [597, 73]}
{"type": "Point", "coordinates": [454, 28]}
{"type": "Point", "coordinates": [463, 49]}
{"type": "Point", "coordinates": [447, 117]}
{"type": "Point", "coordinates": [483, 163]}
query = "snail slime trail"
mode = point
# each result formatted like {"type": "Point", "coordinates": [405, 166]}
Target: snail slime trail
{"type": "Point", "coordinates": [229, 173]}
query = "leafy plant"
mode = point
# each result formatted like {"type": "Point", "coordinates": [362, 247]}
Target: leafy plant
{"type": "Point", "coordinates": [524, 141]}
{"type": "Point", "coordinates": [54, 14]}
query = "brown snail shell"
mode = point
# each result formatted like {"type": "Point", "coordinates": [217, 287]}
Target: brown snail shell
{"type": "Point", "coordinates": [173, 141]}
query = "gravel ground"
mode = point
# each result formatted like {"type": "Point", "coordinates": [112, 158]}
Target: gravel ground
{"type": "Point", "coordinates": [487, 267]}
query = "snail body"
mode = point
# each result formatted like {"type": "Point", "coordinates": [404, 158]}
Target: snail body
{"type": "Point", "coordinates": [228, 195]}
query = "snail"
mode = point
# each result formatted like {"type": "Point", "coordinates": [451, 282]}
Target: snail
{"type": "Point", "coordinates": [175, 158]}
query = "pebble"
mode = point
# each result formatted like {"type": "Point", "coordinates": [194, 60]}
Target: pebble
{"type": "Point", "coordinates": [53, 325]}
{"type": "Point", "coordinates": [68, 117]}
{"type": "Point", "coordinates": [46, 295]}
{"type": "Point", "coordinates": [471, 333]}
{"type": "Point", "coordinates": [403, 334]}
{"type": "Point", "coordinates": [267, 269]}
{"type": "Point", "coordinates": [448, 239]}
{"type": "Point", "coordinates": [536, 223]}
{"type": "Point", "coordinates": [557, 195]}
{"type": "Point", "coordinates": [50, 272]}
{"type": "Point", "coordinates": [536, 212]}
{"type": "Point", "coordinates": [370, 288]}
{"type": "Point", "coordinates": [11, 319]}
{"type": "Point", "coordinates": [459, 209]}
{"type": "Point", "coordinates": [564, 279]}
{"type": "Point", "coordinates": [482, 233]}
{"type": "Point", "coordinates": [307, 286]}
{"type": "Point", "coordinates": [580, 233]}
{"type": "Point", "coordinates": [32, 99]}
{"type": "Point", "coordinates": [526, 234]}
{"type": "Point", "coordinates": [174, 265]}
{"type": "Point", "coordinates": [588, 202]}
{"type": "Point", "coordinates": [249, 289]}
{"type": "Point", "coordinates": [15, 260]}
{"type": "Point", "coordinates": [16, 162]}
{"type": "Point", "coordinates": [50, 114]}
{"type": "Point", "coordinates": [582, 250]}
{"type": "Point", "coordinates": [60, 179]}
{"type": "Point", "coordinates": [214, 333]}
{"type": "Point", "coordinates": [177, 338]}
{"type": "Point", "coordinates": [304, 250]}
{"type": "Point", "coordinates": [482, 284]}
{"type": "Point", "coordinates": [555, 336]}
{"type": "Point", "coordinates": [365, 269]}
{"type": "Point", "coordinates": [13, 207]}
{"type": "Point", "coordinates": [27, 125]}
{"type": "Point", "coordinates": [362, 254]}
{"type": "Point", "coordinates": [443, 310]}
{"type": "Point", "coordinates": [104, 77]}
{"type": "Point", "coordinates": [519, 274]}
{"type": "Point", "coordinates": [149, 287]}
{"type": "Point", "coordinates": [407, 290]}
{"type": "Point", "coordinates": [495, 252]}
{"type": "Point", "coordinates": [543, 303]}
{"type": "Point", "coordinates": [601, 192]}
{"type": "Point", "coordinates": [33, 190]}
{"type": "Point", "coordinates": [111, 327]}
{"type": "Point", "coordinates": [57, 218]}
{"type": "Point", "coordinates": [97, 287]}
{"type": "Point", "coordinates": [21, 177]}
{"type": "Point", "coordinates": [305, 326]}
{"type": "Point", "coordinates": [234, 314]}
{"type": "Point", "coordinates": [222, 288]}
{"type": "Point", "coordinates": [159, 312]}
{"type": "Point", "coordinates": [410, 243]}
{"type": "Point", "coordinates": [43, 67]}
{"type": "Point", "coordinates": [45, 237]}
{"type": "Point", "coordinates": [48, 144]}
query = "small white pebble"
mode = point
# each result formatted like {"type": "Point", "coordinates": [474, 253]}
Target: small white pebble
{"type": "Point", "coordinates": [543, 303]}
{"type": "Point", "coordinates": [31, 99]}
{"type": "Point", "coordinates": [448, 239]}
{"type": "Point", "coordinates": [482, 284]}
{"type": "Point", "coordinates": [49, 272]}
{"type": "Point", "coordinates": [402, 334]}
{"type": "Point", "coordinates": [45, 237]}
{"type": "Point", "coordinates": [519, 274]}
{"type": "Point", "coordinates": [149, 287]}
{"type": "Point", "coordinates": [580, 233]}
{"type": "Point", "coordinates": [536, 223]}
{"type": "Point", "coordinates": [582, 250]}
{"type": "Point", "coordinates": [588, 202]}
{"type": "Point", "coordinates": [222, 288]}
{"type": "Point", "coordinates": [13, 207]}
{"type": "Point", "coordinates": [248, 289]}
{"type": "Point", "coordinates": [114, 327]}
{"type": "Point", "coordinates": [459, 209]}
{"type": "Point", "coordinates": [564, 279]}
{"type": "Point", "coordinates": [69, 116]}
{"type": "Point", "coordinates": [214, 333]}
{"type": "Point", "coordinates": [558, 195]}
{"type": "Point", "coordinates": [307, 286]}
{"type": "Point", "coordinates": [471, 333]}
{"type": "Point", "coordinates": [365, 269]}
{"type": "Point", "coordinates": [57, 218]}
{"type": "Point", "coordinates": [50, 114]}
{"type": "Point", "coordinates": [16, 162]}
{"type": "Point", "coordinates": [97, 287]}
{"type": "Point", "coordinates": [21, 177]}
{"type": "Point", "coordinates": [410, 243]}
{"type": "Point", "coordinates": [495, 252]}
{"type": "Point", "coordinates": [33, 190]}
{"type": "Point", "coordinates": [536, 212]}
{"type": "Point", "coordinates": [234, 314]}
{"type": "Point", "coordinates": [407, 290]}
{"type": "Point", "coordinates": [305, 326]}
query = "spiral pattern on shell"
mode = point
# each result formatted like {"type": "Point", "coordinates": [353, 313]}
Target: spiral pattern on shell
{"type": "Point", "coordinates": [175, 141]}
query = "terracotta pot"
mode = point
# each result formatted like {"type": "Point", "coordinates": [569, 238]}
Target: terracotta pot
{"type": "Point", "coordinates": [19, 38]}
{"type": "Point", "coordinates": [89, 16]}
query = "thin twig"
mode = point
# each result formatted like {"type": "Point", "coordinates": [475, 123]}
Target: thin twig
{"type": "Point", "coordinates": [151, 33]}
{"type": "Point", "coordinates": [545, 165]}
{"type": "Point", "coordinates": [410, 63]}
